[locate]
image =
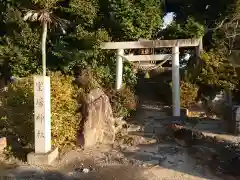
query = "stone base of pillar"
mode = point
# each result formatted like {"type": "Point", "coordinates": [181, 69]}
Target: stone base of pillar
{"type": "Point", "coordinates": [42, 158]}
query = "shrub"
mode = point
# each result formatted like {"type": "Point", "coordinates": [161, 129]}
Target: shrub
{"type": "Point", "coordinates": [123, 102]}
{"type": "Point", "coordinates": [17, 109]}
{"type": "Point", "coordinates": [18, 105]}
{"type": "Point", "coordinates": [65, 121]}
{"type": "Point", "coordinates": [188, 93]}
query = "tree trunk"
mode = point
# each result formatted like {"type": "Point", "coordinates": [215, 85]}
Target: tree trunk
{"type": "Point", "coordinates": [44, 38]}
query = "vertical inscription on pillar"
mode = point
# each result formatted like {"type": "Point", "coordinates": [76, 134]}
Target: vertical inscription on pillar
{"type": "Point", "coordinates": [42, 114]}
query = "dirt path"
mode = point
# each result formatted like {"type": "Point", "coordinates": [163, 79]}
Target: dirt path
{"type": "Point", "coordinates": [142, 152]}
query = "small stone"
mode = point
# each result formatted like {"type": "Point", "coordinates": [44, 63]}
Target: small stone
{"type": "Point", "coordinates": [133, 128]}
{"type": "Point", "coordinates": [86, 170]}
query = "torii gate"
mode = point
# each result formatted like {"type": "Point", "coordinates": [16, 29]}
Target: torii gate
{"type": "Point", "coordinates": [174, 44]}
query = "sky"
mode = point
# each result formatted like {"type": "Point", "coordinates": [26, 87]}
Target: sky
{"type": "Point", "coordinates": [168, 18]}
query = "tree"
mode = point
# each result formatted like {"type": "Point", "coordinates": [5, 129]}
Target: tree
{"type": "Point", "coordinates": [210, 14]}
{"type": "Point", "coordinates": [19, 43]}
{"type": "Point", "coordinates": [216, 71]}
{"type": "Point", "coordinates": [190, 29]}
{"type": "Point", "coordinates": [91, 24]}
{"type": "Point", "coordinates": [210, 19]}
{"type": "Point", "coordinates": [45, 17]}
{"type": "Point", "coordinates": [20, 47]}
{"type": "Point", "coordinates": [130, 20]}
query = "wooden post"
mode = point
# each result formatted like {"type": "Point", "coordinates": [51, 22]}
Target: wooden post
{"type": "Point", "coordinates": [42, 113]}
{"type": "Point", "coordinates": [175, 82]}
{"type": "Point", "coordinates": [119, 68]}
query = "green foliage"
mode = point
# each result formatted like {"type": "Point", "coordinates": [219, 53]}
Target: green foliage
{"type": "Point", "coordinates": [18, 104]}
{"type": "Point", "coordinates": [20, 48]}
{"type": "Point", "coordinates": [90, 23]}
{"type": "Point", "coordinates": [217, 71]}
{"type": "Point", "coordinates": [46, 3]}
{"type": "Point", "coordinates": [195, 18]}
{"type": "Point", "coordinates": [210, 14]}
{"type": "Point", "coordinates": [129, 76]}
{"type": "Point", "coordinates": [190, 29]}
{"type": "Point", "coordinates": [104, 76]}
{"type": "Point", "coordinates": [206, 12]}
{"type": "Point", "coordinates": [131, 20]}
{"type": "Point", "coordinates": [212, 72]}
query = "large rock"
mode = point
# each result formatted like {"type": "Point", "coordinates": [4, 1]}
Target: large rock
{"type": "Point", "coordinates": [98, 127]}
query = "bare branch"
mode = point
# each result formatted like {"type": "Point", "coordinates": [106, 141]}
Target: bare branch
{"type": "Point", "coordinates": [221, 24]}
{"type": "Point", "coordinates": [217, 27]}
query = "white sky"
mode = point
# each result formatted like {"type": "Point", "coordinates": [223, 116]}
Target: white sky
{"type": "Point", "coordinates": [168, 18]}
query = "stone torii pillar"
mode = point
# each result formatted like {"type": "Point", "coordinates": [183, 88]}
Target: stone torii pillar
{"type": "Point", "coordinates": [176, 106]}
{"type": "Point", "coordinates": [119, 68]}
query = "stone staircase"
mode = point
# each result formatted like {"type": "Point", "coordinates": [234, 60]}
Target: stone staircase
{"type": "Point", "coordinates": [145, 130]}
{"type": "Point", "coordinates": [153, 146]}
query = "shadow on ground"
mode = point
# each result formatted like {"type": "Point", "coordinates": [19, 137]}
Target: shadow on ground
{"type": "Point", "coordinates": [73, 171]}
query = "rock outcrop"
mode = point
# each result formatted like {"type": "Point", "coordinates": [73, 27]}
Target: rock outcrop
{"type": "Point", "coordinates": [98, 121]}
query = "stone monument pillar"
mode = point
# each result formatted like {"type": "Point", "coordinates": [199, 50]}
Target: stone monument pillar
{"type": "Point", "coordinates": [44, 154]}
